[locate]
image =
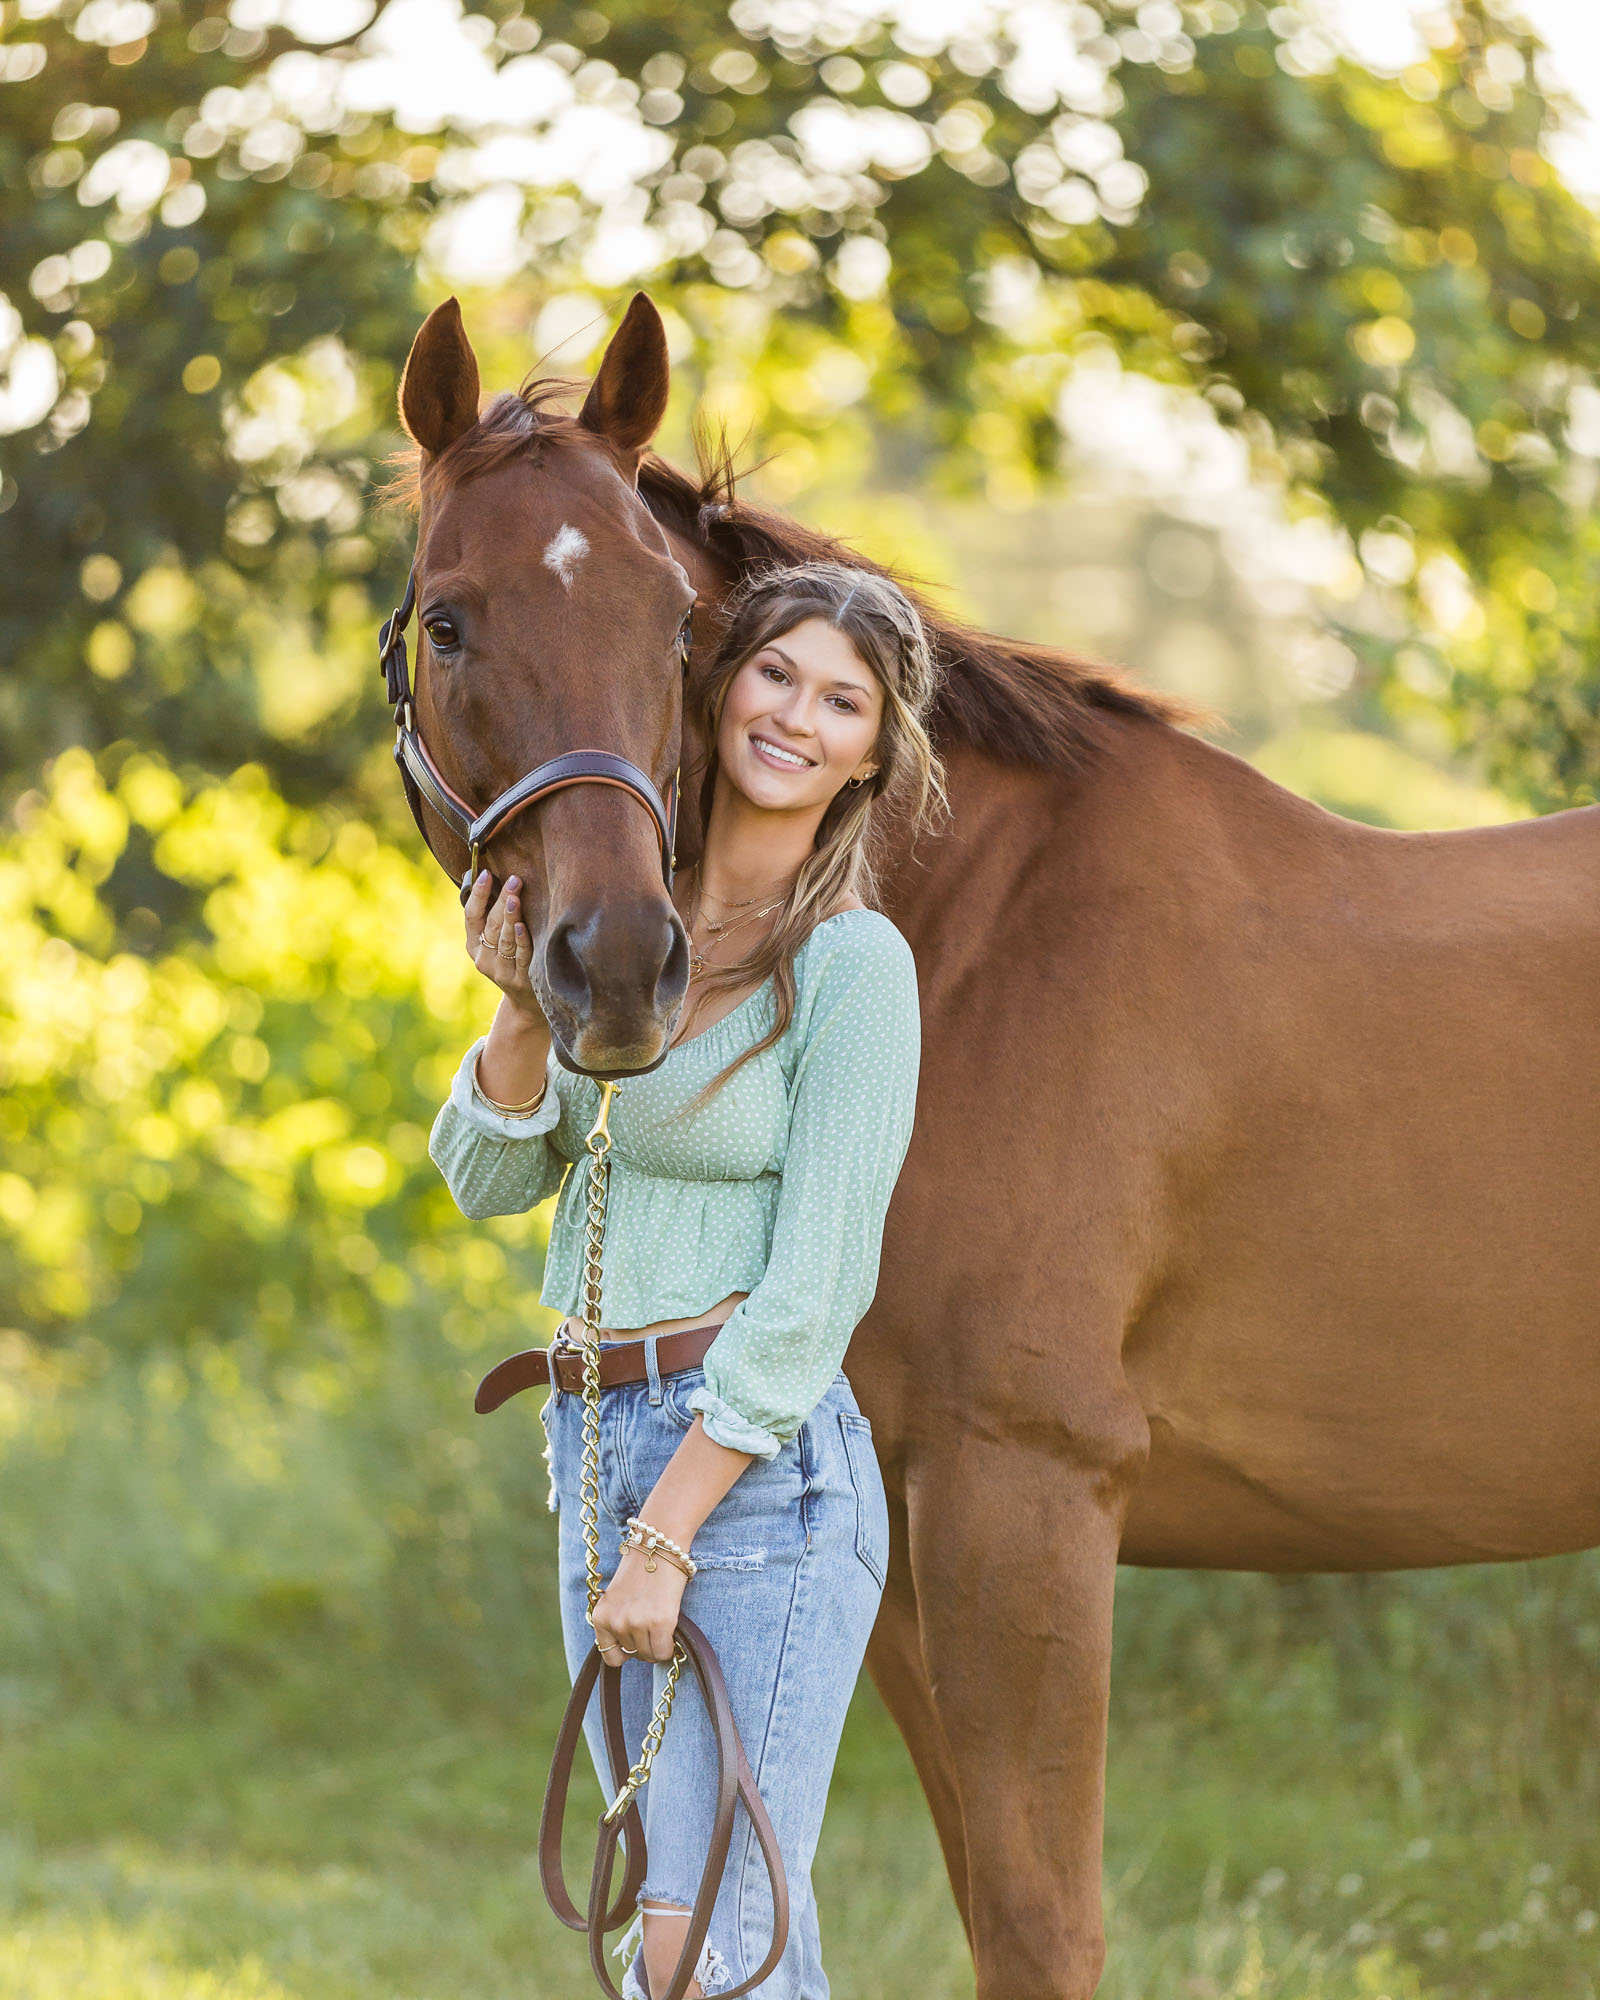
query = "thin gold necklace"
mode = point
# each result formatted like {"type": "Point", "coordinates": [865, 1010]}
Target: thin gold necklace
{"type": "Point", "coordinates": [719, 929]}
{"type": "Point", "coordinates": [698, 961]}
{"type": "Point", "coordinates": [717, 926]}
{"type": "Point", "coordinates": [731, 902]}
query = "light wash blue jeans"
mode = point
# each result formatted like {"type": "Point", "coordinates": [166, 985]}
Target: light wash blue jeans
{"type": "Point", "coordinates": [791, 1568]}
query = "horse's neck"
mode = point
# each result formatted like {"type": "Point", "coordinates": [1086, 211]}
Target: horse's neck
{"type": "Point", "coordinates": [1154, 819]}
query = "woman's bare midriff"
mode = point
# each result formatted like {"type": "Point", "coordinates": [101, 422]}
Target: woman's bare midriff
{"type": "Point", "coordinates": [572, 1329]}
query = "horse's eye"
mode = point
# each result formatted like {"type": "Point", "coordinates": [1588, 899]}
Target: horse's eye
{"type": "Point", "coordinates": [442, 634]}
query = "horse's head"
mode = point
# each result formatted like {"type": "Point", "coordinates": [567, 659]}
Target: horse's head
{"type": "Point", "coordinates": [549, 607]}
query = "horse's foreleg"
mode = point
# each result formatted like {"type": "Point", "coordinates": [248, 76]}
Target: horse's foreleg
{"type": "Point", "coordinates": [900, 1675]}
{"type": "Point", "coordinates": [1014, 1529]}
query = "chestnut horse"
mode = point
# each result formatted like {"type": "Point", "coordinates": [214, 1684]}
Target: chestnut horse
{"type": "Point", "coordinates": [1250, 1217]}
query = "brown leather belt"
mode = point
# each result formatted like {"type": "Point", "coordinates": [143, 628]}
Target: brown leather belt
{"type": "Point", "coordinates": [621, 1363]}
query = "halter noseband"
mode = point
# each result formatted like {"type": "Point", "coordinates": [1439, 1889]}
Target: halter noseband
{"type": "Point", "coordinates": [425, 783]}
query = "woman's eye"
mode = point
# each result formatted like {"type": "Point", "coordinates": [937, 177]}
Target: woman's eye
{"type": "Point", "coordinates": [848, 704]}
{"type": "Point", "coordinates": [775, 670]}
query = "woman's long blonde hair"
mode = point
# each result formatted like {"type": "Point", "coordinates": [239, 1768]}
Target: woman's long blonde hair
{"type": "Point", "coordinates": [884, 627]}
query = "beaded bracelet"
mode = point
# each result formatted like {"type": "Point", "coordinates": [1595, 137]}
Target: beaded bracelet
{"type": "Point", "coordinates": [641, 1535]}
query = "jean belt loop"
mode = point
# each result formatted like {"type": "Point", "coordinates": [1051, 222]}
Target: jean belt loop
{"type": "Point", "coordinates": [652, 1368]}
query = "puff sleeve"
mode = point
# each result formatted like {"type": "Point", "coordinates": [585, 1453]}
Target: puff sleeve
{"type": "Point", "coordinates": [852, 1102]}
{"type": "Point", "coordinates": [494, 1165]}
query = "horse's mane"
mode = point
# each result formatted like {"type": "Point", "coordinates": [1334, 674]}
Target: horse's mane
{"type": "Point", "coordinates": [1020, 702]}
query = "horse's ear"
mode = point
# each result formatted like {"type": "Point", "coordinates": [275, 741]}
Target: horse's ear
{"type": "Point", "coordinates": [439, 390]}
{"type": "Point", "coordinates": [628, 398]}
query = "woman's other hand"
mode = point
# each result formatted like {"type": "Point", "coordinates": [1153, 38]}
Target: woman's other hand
{"type": "Point", "coordinates": [640, 1608]}
{"type": "Point", "coordinates": [638, 1611]}
{"type": "Point", "coordinates": [498, 942]}
{"type": "Point", "coordinates": [511, 1068]}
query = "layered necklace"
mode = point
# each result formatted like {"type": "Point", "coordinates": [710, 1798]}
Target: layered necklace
{"type": "Point", "coordinates": [717, 929]}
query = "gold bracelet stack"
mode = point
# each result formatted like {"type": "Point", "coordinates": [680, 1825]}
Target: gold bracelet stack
{"type": "Point", "coordinates": [641, 1535]}
{"type": "Point", "coordinates": [505, 1110]}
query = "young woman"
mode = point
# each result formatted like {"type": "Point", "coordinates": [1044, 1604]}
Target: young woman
{"type": "Point", "coordinates": [750, 1176]}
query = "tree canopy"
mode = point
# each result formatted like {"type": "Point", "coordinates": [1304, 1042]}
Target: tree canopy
{"type": "Point", "coordinates": [873, 234]}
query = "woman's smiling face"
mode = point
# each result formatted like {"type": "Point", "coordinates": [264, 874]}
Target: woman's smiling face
{"type": "Point", "coordinates": [800, 718]}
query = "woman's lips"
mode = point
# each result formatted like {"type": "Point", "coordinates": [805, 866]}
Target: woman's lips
{"type": "Point", "coordinates": [761, 746]}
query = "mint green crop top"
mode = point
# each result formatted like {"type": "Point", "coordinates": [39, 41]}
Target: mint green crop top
{"type": "Point", "coordinates": [778, 1187]}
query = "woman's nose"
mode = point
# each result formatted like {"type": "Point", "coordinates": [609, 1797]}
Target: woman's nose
{"type": "Point", "coordinates": [795, 713]}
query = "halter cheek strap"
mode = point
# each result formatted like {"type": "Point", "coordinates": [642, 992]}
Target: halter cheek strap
{"type": "Point", "coordinates": [426, 785]}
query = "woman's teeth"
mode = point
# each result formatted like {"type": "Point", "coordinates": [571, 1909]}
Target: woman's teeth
{"type": "Point", "coordinates": [781, 756]}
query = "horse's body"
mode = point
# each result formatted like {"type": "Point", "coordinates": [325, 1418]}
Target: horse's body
{"type": "Point", "coordinates": [1301, 1114]}
{"type": "Point", "coordinates": [1249, 1222]}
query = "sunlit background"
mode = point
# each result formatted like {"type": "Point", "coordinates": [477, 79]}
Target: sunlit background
{"type": "Point", "coordinates": [1255, 349]}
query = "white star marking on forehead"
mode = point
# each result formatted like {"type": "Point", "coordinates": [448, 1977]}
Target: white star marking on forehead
{"type": "Point", "coordinates": [568, 547]}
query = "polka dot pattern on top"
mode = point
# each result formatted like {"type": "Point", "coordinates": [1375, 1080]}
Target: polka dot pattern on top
{"type": "Point", "coordinates": [778, 1187]}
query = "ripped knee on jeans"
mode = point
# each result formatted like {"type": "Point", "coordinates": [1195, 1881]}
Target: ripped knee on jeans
{"type": "Point", "coordinates": [711, 1973]}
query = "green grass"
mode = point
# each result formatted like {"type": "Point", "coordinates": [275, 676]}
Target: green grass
{"type": "Point", "coordinates": [344, 1847]}
{"type": "Point", "coordinates": [274, 1723]}
{"type": "Point", "coordinates": [338, 1835]}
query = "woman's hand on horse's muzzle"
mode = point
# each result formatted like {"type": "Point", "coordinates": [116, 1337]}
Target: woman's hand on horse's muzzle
{"type": "Point", "coordinates": [639, 1610]}
{"type": "Point", "coordinates": [498, 942]}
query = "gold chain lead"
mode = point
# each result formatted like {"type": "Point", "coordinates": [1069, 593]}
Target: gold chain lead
{"type": "Point", "coordinates": [594, 1239]}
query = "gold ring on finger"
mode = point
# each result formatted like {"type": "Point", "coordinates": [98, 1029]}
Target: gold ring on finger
{"type": "Point", "coordinates": [501, 952]}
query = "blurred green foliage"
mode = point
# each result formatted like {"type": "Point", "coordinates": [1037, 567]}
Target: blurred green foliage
{"type": "Point", "coordinates": [202, 1139]}
{"type": "Point", "coordinates": [169, 286]}
{"type": "Point", "coordinates": [874, 238]}
{"type": "Point", "coordinates": [240, 1311]}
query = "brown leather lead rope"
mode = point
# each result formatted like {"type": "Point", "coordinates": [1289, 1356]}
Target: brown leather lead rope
{"type": "Point", "coordinates": [552, 1818]}
{"type": "Point", "coordinates": [735, 1783]}
{"type": "Point", "coordinates": [620, 1821]}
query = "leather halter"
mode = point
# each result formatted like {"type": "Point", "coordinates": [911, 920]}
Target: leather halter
{"type": "Point", "coordinates": [426, 784]}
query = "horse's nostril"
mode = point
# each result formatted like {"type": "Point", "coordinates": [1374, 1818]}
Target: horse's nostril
{"type": "Point", "coordinates": [617, 972]}
{"type": "Point", "coordinates": [673, 982]}
{"type": "Point", "coordinates": [564, 971]}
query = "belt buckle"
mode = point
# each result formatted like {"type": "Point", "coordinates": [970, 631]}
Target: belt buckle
{"type": "Point", "coordinates": [559, 1346]}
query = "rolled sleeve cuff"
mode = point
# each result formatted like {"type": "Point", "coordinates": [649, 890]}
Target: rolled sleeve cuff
{"type": "Point", "coordinates": [472, 1108]}
{"type": "Point", "coordinates": [723, 1424]}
